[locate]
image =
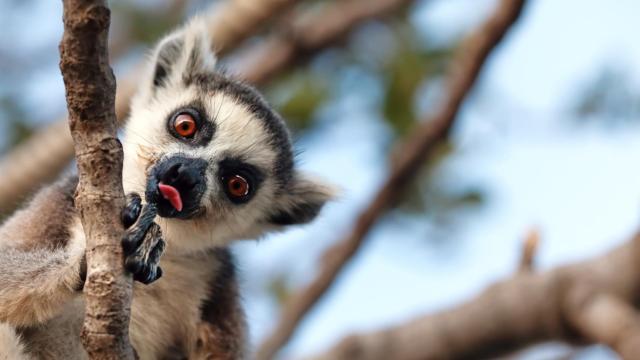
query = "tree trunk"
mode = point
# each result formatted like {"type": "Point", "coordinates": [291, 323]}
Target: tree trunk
{"type": "Point", "coordinates": [90, 93]}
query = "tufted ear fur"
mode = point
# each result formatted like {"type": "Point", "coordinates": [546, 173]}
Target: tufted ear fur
{"type": "Point", "coordinates": [302, 202]}
{"type": "Point", "coordinates": [183, 54]}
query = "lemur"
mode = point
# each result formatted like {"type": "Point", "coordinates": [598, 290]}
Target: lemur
{"type": "Point", "coordinates": [215, 162]}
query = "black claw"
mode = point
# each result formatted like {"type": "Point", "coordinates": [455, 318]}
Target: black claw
{"type": "Point", "coordinates": [147, 275]}
{"type": "Point", "coordinates": [129, 244]}
{"type": "Point", "coordinates": [131, 211]}
{"type": "Point", "coordinates": [143, 276]}
{"type": "Point", "coordinates": [133, 265]}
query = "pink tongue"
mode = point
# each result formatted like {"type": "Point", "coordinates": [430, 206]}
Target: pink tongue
{"type": "Point", "coordinates": [172, 195]}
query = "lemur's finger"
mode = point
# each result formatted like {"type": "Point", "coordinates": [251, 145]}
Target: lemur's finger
{"type": "Point", "coordinates": [152, 239]}
{"type": "Point", "coordinates": [137, 232]}
{"type": "Point", "coordinates": [131, 211]}
{"type": "Point", "coordinates": [156, 252]}
{"type": "Point", "coordinates": [148, 276]}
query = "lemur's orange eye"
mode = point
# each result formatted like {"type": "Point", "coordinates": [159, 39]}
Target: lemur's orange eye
{"type": "Point", "coordinates": [237, 186]}
{"type": "Point", "coordinates": [185, 125]}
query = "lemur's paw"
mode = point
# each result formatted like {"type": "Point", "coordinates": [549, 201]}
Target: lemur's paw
{"type": "Point", "coordinates": [143, 261]}
{"type": "Point", "coordinates": [142, 243]}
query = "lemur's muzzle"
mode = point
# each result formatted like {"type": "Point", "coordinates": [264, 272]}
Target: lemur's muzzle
{"type": "Point", "coordinates": [176, 185]}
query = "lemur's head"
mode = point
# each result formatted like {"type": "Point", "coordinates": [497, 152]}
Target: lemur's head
{"type": "Point", "coordinates": [210, 151]}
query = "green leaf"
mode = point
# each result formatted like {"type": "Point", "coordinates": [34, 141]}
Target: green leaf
{"type": "Point", "coordinates": [298, 96]}
{"type": "Point", "coordinates": [404, 73]}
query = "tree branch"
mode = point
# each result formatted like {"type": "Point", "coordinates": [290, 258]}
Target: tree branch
{"type": "Point", "coordinates": [234, 21]}
{"type": "Point", "coordinates": [90, 93]}
{"type": "Point", "coordinates": [527, 309]}
{"type": "Point", "coordinates": [606, 319]}
{"type": "Point", "coordinates": [412, 156]}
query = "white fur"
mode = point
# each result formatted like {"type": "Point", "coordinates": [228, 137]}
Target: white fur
{"type": "Point", "coordinates": [157, 314]}
{"type": "Point", "coordinates": [11, 347]}
{"type": "Point", "coordinates": [238, 134]}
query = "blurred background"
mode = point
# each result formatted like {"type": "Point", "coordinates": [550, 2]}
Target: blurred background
{"type": "Point", "coordinates": [549, 140]}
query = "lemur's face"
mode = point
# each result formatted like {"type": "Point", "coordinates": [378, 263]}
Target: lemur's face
{"type": "Point", "coordinates": [210, 152]}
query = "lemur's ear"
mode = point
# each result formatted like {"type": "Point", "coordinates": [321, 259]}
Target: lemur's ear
{"type": "Point", "coordinates": [302, 202]}
{"type": "Point", "coordinates": [183, 53]}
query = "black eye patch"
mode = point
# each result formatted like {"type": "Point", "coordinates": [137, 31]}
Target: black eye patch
{"type": "Point", "coordinates": [239, 180]}
{"type": "Point", "coordinates": [204, 128]}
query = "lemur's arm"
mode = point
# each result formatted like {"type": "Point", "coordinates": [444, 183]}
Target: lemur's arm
{"type": "Point", "coordinates": [35, 285]}
{"type": "Point", "coordinates": [42, 249]}
{"type": "Point", "coordinates": [39, 265]}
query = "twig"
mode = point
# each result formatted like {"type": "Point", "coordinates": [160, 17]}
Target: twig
{"type": "Point", "coordinates": [527, 309]}
{"type": "Point", "coordinates": [41, 158]}
{"type": "Point", "coordinates": [529, 249]}
{"type": "Point", "coordinates": [412, 155]}
{"type": "Point", "coordinates": [90, 93]}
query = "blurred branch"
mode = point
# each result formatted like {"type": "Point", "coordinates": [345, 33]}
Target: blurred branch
{"type": "Point", "coordinates": [35, 161]}
{"type": "Point", "coordinates": [234, 21]}
{"type": "Point", "coordinates": [308, 34]}
{"type": "Point", "coordinates": [411, 157]}
{"type": "Point", "coordinates": [607, 319]}
{"type": "Point", "coordinates": [41, 158]}
{"type": "Point", "coordinates": [527, 309]}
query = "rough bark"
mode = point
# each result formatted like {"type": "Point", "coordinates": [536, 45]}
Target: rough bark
{"type": "Point", "coordinates": [411, 156]}
{"type": "Point", "coordinates": [591, 301]}
{"type": "Point", "coordinates": [90, 93]}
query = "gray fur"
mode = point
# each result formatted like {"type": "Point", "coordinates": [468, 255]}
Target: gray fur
{"type": "Point", "coordinates": [56, 215]}
{"type": "Point", "coordinates": [167, 56]}
{"type": "Point", "coordinates": [36, 284]}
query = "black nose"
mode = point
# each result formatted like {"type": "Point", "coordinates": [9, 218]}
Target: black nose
{"type": "Point", "coordinates": [182, 176]}
{"type": "Point", "coordinates": [186, 175]}
{"type": "Point", "coordinates": [181, 172]}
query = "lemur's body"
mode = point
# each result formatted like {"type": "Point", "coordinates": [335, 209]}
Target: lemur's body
{"type": "Point", "coordinates": [216, 162]}
{"type": "Point", "coordinates": [166, 315]}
